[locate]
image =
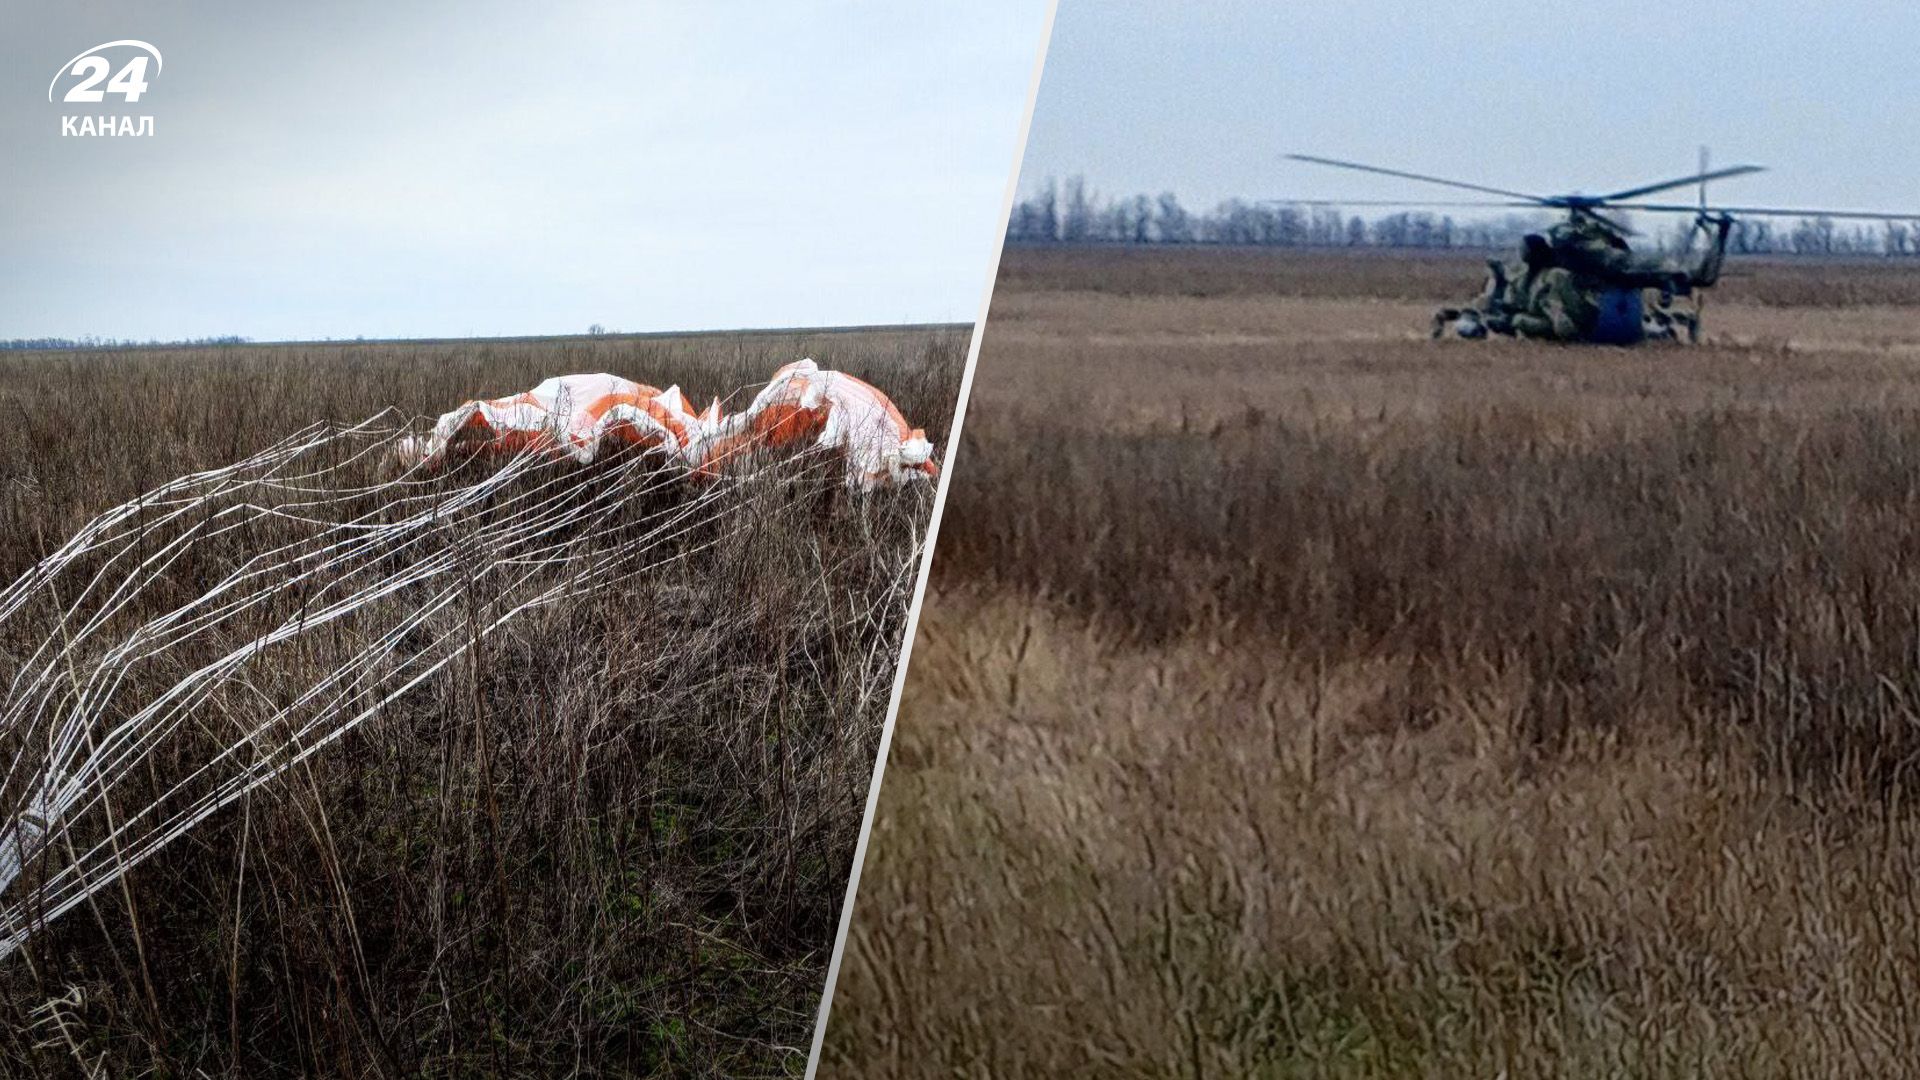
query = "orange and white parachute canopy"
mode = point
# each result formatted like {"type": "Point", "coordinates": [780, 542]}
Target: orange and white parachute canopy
{"type": "Point", "coordinates": [581, 417]}
{"type": "Point", "coordinates": [807, 406]}
{"type": "Point", "coordinates": [585, 417]}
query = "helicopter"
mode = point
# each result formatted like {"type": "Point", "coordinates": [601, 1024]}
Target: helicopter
{"type": "Point", "coordinates": [1590, 259]}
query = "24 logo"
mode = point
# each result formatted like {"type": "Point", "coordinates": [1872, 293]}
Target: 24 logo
{"type": "Point", "coordinates": [130, 81]}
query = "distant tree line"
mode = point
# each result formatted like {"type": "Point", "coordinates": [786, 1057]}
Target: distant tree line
{"type": "Point", "coordinates": [1824, 236]}
{"type": "Point", "coordinates": [1071, 213]}
{"type": "Point", "coordinates": [91, 342]}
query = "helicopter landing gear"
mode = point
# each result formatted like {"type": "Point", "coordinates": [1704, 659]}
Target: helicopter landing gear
{"type": "Point", "coordinates": [1466, 323]}
{"type": "Point", "coordinates": [1667, 324]}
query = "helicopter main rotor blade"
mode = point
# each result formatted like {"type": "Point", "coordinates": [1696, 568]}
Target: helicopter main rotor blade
{"type": "Point", "coordinates": [1534, 199]}
{"type": "Point", "coordinates": [1767, 211]}
{"type": "Point", "coordinates": [1440, 203]}
{"type": "Point", "coordinates": [1665, 185]}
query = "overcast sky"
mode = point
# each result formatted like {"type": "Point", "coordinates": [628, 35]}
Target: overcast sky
{"type": "Point", "coordinates": [1202, 98]}
{"type": "Point", "coordinates": [475, 168]}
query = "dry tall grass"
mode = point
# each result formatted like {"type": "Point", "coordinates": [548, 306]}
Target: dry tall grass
{"type": "Point", "coordinates": [1298, 697]}
{"type": "Point", "coordinates": [612, 841]}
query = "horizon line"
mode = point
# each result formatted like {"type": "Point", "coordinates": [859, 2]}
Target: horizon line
{"type": "Point", "coordinates": [750, 331]}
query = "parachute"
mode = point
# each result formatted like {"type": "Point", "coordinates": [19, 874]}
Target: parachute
{"type": "Point", "coordinates": [586, 417]}
{"type": "Point", "coordinates": [575, 416]}
{"type": "Point", "coordinates": [806, 405]}
{"type": "Point", "coordinates": [342, 568]}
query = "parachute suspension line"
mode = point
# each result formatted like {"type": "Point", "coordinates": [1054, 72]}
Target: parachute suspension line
{"type": "Point", "coordinates": [292, 550]}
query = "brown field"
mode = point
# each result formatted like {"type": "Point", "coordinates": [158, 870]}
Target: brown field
{"type": "Point", "coordinates": [613, 840]}
{"type": "Point", "coordinates": [1300, 697]}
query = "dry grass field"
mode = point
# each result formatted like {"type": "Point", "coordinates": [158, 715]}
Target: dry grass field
{"type": "Point", "coordinates": [612, 840]}
{"type": "Point", "coordinates": [1300, 697]}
